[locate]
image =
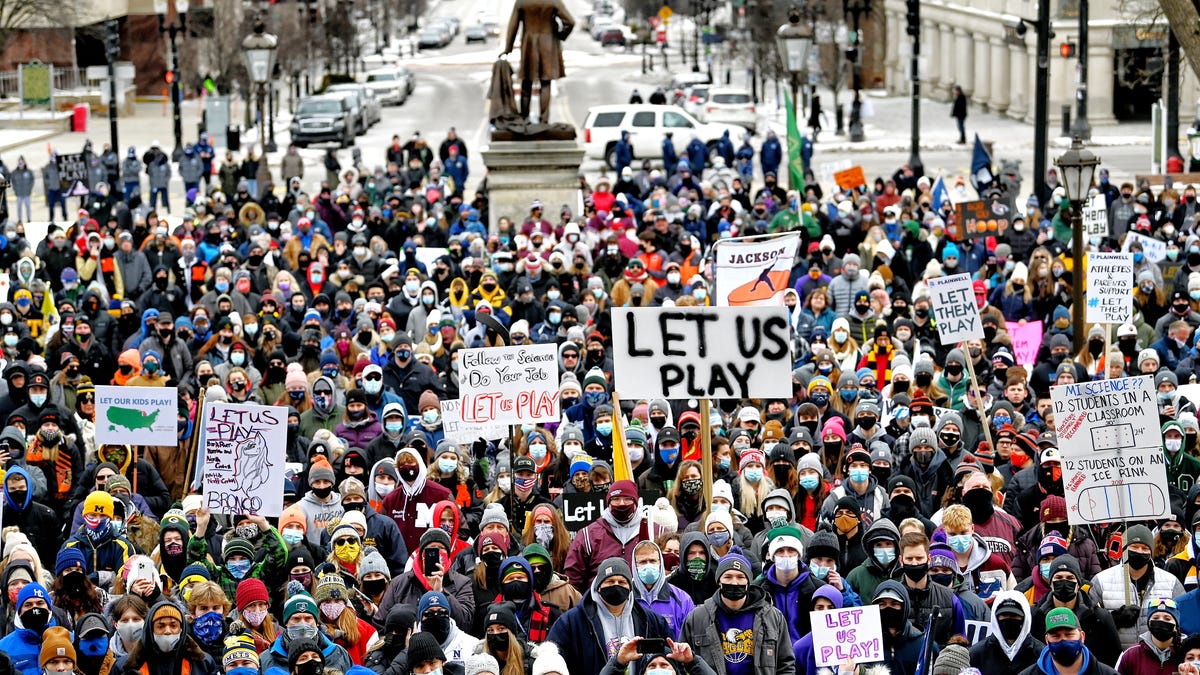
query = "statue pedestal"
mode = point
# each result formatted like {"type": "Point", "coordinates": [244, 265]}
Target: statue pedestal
{"type": "Point", "coordinates": [522, 171]}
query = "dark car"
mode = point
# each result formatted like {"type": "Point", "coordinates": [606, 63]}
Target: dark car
{"type": "Point", "coordinates": [477, 33]}
{"type": "Point", "coordinates": [323, 119]}
{"type": "Point", "coordinates": [612, 36]}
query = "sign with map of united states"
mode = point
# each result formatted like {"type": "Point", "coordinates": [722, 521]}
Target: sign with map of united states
{"type": "Point", "coordinates": [137, 415]}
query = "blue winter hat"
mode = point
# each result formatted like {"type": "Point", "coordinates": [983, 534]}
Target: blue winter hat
{"type": "Point", "coordinates": [149, 353]}
{"type": "Point", "coordinates": [184, 322]}
{"type": "Point", "coordinates": [580, 463]}
{"type": "Point", "coordinates": [951, 250]}
{"type": "Point", "coordinates": [67, 558]}
{"type": "Point", "coordinates": [1164, 605]}
{"type": "Point", "coordinates": [34, 590]}
{"type": "Point", "coordinates": [328, 358]}
{"type": "Point", "coordinates": [197, 571]}
{"type": "Point", "coordinates": [432, 600]}
{"type": "Point", "coordinates": [635, 434]}
{"type": "Point", "coordinates": [310, 315]}
{"type": "Point", "coordinates": [683, 166]}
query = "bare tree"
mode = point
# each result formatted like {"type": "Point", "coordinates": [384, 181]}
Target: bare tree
{"type": "Point", "coordinates": [23, 14]}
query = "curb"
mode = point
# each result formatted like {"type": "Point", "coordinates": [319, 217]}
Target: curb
{"type": "Point", "coordinates": [36, 139]}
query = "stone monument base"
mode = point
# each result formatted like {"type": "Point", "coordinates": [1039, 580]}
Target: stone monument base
{"type": "Point", "coordinates": [522, 171]}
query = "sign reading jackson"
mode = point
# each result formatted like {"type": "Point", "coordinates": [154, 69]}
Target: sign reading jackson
{"type": "Point", "coordinates": [136, 415]}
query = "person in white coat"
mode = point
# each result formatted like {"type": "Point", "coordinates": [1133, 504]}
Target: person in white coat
{"type": "Point", "coordinates": [1128, 589]}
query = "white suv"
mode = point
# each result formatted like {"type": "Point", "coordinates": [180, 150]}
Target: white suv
{"type": "Point", "coordinates": [389, 85]}
{"type": "Point", "coordinates": [647, 126]}
{"type": "Point", "coordinates": [731, 105]}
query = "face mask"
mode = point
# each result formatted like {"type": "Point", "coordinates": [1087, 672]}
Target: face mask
{"type": "Point", "coordinates": [1011, 628]}
{"type": "Point", "coordinates": [505, 484]}
{"type": "Point", "coordinates": [753, 474]}
{"type": "Point", "coordinates": [636, 453]}
{"type": "Point", "coordinates": [323, 492]}
{"type": "Point", "coordinates": [167, 643]}
{"type": "Point", "coordinates": [718, 538]}
{"type": "Point", "coordinates": [393, 428]}
{"type": "Point", "coordinates": [1137, 561]}
{"type": "Point", "coordinates": [916, 572]}
{"type": "Point", "coordinates": [497, 642]}
{"type": "Point", "coordinates": [594, 398]}
{"type": "Point", "coordinates": [1065, 652]}
{"type": "Point", "coordinates": [35, 619]}
{"type": "Point", "coordinates": [691, 486]}
{"type": "Point", "coordinates": [238, 568]}
{"type": "Point", "coordinates": [788, 563]}
{"type": "Point", "coordinates": [347, 552]}
{"type": "Point", "coordinates": [885, 556]}
{"type": "Point", "coordinates": [848, 395]}
{"type": "Point", "coordinates": [604, 428]}
{"type": "Point", "coordinates": [38, 400]}
{"type": "Point", "coordinates": [649, 574]}
{"type": "Point", "coordinates": [1162, 630]}
{"type": "Point", "coordinates": [614, 595]}
{"type": "Point", "coordinates": [943, 579]}
{"type": "Point", "coordinates": [131, 631]}
{"type": "Point", "coordinates": [301, 631]}
{"type": "Point", "coordinates": [734, 592]}
{"type": "Point", "coordinates": [1173, 444]}
{"type": "Point", "coordinates": [859, 475]}
{"type": "Point", "coordinates": [819, 399]}
{"type": "Point", "coordinates": [696, 567]}
{"type": "Point", "coordinates": [409, 473]}
{"type": "Point", "coordinates": [961, 543]}
{"type": "Point", "coordinates": [809, 482]}
{"type": "Point", "coordinates": [543, 533]}
{"type": "Point", "coordinates": [208, 626]}
{"type": "Point", "coordinates": [447, 466]}
{"type": "Point", "coordinates": [949, 438]}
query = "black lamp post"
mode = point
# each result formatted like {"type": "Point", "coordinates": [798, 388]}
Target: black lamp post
{"type": "Point", "coordinates": [794, 41]}
{"type": "Point", "coordinates": [856, 9]}
{"type": "Point", "coordinates": [173, 30]}
{"type": "Point", "coordinates": [1077, 166]}
{"type": "Point", "coordinates": [1082, 128]}
{"type": "Point", "coordinates": [259, 51]}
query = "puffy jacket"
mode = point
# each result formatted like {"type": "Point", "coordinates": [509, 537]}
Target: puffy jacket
{"type": "Point", "coordinates": [160, 175]}
{"type": "Point", "coordinates": [408, 588]}
{"type": "Point", "coordinates": [131, 170]}
{"type": "Point", "coordinates": [22, 182]}
{"type": "Point", "coordinates": [772, 644]}
{"type": "Point", "coordinates": [1112, 589]}
{"type": "Point", "coordinates": [191, 169]}
{"type": "Point", "coordinates": [867, 576]}
{"type": "Point", "coordinates": [1045, 665]}
{"type": "Point", "coordinates": [598, 541]}
{"type": "Point", "coordinates": [1079, 544]}
{"type": "Point", "coordinates": [276, 658]}
{"type": "Point", "coordinates": [105, 555]}
{"type": "Point", "coordinates": [411, 506]}
{"type": "Point", "coordinates": [580, 635]}
{"type": "Point", "coordinates": [23, 647]}
{"type": "Point", "coordinates": [359, 434]}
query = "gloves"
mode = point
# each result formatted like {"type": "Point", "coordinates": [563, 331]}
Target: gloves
{"type": "Point", "coordinates": [1126, 617]}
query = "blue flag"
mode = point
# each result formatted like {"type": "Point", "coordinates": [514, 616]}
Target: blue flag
{"type": "Point", "coordinates": [940, 194]}
{"type": "Point", "coordinates": [981, 166]}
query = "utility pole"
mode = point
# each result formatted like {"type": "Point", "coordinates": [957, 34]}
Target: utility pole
{"type": "Point", "coordinates": [1041, 107]}
{"type": "Point", "coordinates": [857, 9]}
{"type": "Point", "coordinates": [1082, 128]}
{"type": "Point", "coordinates": [112, 50]}
{"type": "Point", "coordinates": [1172, 96]}
{"type": "Point", "coordinates": [914, 30]}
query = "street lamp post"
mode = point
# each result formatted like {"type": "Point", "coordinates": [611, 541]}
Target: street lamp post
{"type": "Point", "coordinates": [856, 8]}
{"type": "Point", "coordinates": [794, 39]}
{"type": "Point", "coordinates": [1082, 128]}
{"type": "Point", "coordinates": [259, 50]}
{"type": "Point", "coordinates": [161, 8]}
{"type": "Point", "coordinates": [1077, 167]}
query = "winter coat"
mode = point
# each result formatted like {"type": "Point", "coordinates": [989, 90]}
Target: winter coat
{"type": "Point", "coordinates": [579, 634]}
{"type": "Point", "coordinates": [1096, 623]}
{"type": "Point", "coordinates": [191, 169]}
{"type": "Point", "coordinates": [160, 175]}
{"type": "Point", "coordinates": [35, 519]}
{"type": "Point", "coordinates": [51, 179]}
{"type": "Point", "coordinates": [336, 657]}
{"type": "Point", "coordinates": [597, 542]}
{"type": "Point", "coordinates": [291, 166]}
{"type": "Point", "coordinates": [270, 557]}
{"type": "Point", "coordinates": [1113, 589]}
{"type": "Point", "coordinates": [791, 600]}
{"type": "Point", "coordinates": [109, 554]}
{"type": "Point", "coordinates": [843, 289]}
{"type": "Point", "coordinates": [993, 651]}
{"type": "Point", "coordinates": [135, 271]}
{"type": "Point", "coordinates": [1079, 544]}
{"type": "Point", "coordinates": [1045, 665]}
{"type": "Point", "coordinates": [359, 434]}
{"type": "Point", "coordinates": [23, 647]}
{"type": "Point", "coordinates": [772, 646]}
{"type": "Point", "coordinates": [131, 170]}
{"type": "Point", "coordinates": [145, 655]}
{"type": "Point", "coordinates": [22, 182]}
{"type": "Point", "coordinates": [866, 577]}
{"type": "Point", "coordinates": [1145, 659]}
{"type": "Point", "coordinates": [411, 506]}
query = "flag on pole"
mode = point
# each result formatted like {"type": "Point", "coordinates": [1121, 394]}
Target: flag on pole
{"type": "Point", "coordinates": [940, 195]}
{"type": "Point", "coordinates": [981, 166]}
{"type": "Point", "coordinates": [794, 145]}
{"type": "Point", "coordinates": [622, 468]}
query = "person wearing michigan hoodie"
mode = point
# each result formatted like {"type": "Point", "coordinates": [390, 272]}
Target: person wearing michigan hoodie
{"type": "Point", "coordinates": [788, 584]}
{"type": "Point", "coordinates": [320, 505]}
{"type": "Point", "coordinates": [411, 503]}
{"type": "Point", "coordinates": [825, 598]}
{"type": "Point", "coordinates": [652, 590]}
{"type": "Point", "coordinates": [1009, 646]}
{"type": "Point", "coordinates": [34, 614]}
{"type": "Point", "coordinates": [35, 519]}
{"type": "Point", "coordinates": [882, 542]}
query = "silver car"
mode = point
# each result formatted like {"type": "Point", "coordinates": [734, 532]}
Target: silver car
{"type": "Point", "coordinates": [389, 86]}
{"type": "Point", "coordinates": [372, 112]}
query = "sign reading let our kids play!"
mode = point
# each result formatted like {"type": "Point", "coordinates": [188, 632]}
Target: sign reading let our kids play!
{"type": "Point", "coordinates": [136, 415]}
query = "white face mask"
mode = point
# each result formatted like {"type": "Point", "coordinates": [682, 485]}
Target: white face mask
{"type": "Point", "coordinates": [384, 489]}
{"type": "Point", "coordinates": [504, 483]}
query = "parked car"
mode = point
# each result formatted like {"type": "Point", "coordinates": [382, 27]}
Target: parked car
{"type": "Point", "coordinates": [356, 107]}
{"type": "Point", "coordinates": [433, 38]}
{"type": "Point", "coordinates": [388, 85]}
{"type": "Point", "coordinates": [372, 108]}
{"type": "Point", "coordinates": [613, 35]}
{"type": "Point", "coordinates": [321, 119]}
{"type": "Point", "coordinates": [694, 98]}
{"type": "Point", "coordinates": [647, 126]}
{"type": "Point", "coordinates": [732, 105]}
{"type": "Point", "coordinates": [477, 33]}
{"type": "Point", "coordinates": [681, 81]}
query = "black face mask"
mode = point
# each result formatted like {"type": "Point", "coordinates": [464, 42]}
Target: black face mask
{"type": "Point", "coordinates": [1063, 590]}
{"type": "Point", "coordinates": [782, 473]}
{"type": "Point", "coordinates": [35, 619]}
{"type": "Point", "coordinates": [867, 422]}
{"type": "Point", "coordinates": [1170, 538]}
{"type": "Point", "coordinates": [924, 379]}
{"type": "Point", "coordinates": [1137, 561]}
{"type": "Point", "coordinates": [881, 473]}
{"type": "Point", "coordinates": [921, 312]}
{"type": "Point", "coordinates": [891, 617]}
{"type": "Point", "coordinates": [409, 473]}
{"type": "Point", "coordinates": [313, 667]}
{"type": "Point", "coordinates": [517, 591]}
{"type": "Point", "coordinates": [374, 587]}
{"type": "Point", "coordinates": [437, 626]}
{"type": "Point", "coordinates": [903, 506]}
{"type": "Point", "coordinates": [161, 283]}
{"type": "Point", "coordinates": [492, 560]}
{"type": "Point", "coordinates": [980, 503]}
{"type": "Point", "coordinates": [614, 595]}
{"type": "Point", "coordinates": [497, 642]}
{"type": "Point", "coordinates": [322, 493]}
{"type": "Point", "coordinates": [542, 577]}
{"type": "Point", "coordinates": [1161, 630]}
{"type": "Point", "coordinates": [900, 386]}
{"type": "Point", "coordinates": [1011, 628]}
{"type": "Point", "coordinates": [916, 573]}
{"type": "Point", "coordinates": [734, 592]}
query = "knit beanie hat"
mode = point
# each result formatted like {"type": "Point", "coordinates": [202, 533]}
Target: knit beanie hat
{"type": "Point", "coordinates": [237, 546]}
{"type": "Point", "coordinates": [734, 561]}
{"type": "Point", "coordinates": [951, 660]}
{"type": "Point", "coordinates": [595, 376]}
{"type": "Point", "coordinates": [373, 562]}
{"type": "Point", "coordinates": [424, 647]}
{"type": "Point", "coordinates": [320, 470]}
{"type": "Point", "coordinates": [494, 513]}
{"type": "Point", "coordinates": [330, 587]}
{"type": "Point", "coordinates": [239, 648]}
{"type": "Point", "coordinates": [67, 558]}
{"type": "Point", "coordinates": [299, 648]}
{"type": "Point", "coordinates": [823, 544]}
{"type": "Point", "coordinates": [56, 643]}
{"type": "Point", "coordinates": [549, 660]}
{"type": "Point", "coordinates": [300, 603]}
{"type": "Point", "coordinates": [504, 614]}
{"type": "Point", "coordinates": [922, 436]}
{"type": "Point", "coordinates": [432, 600]}
{"type": "Point", "coordinates": [474, 664]}
{"type": "Point", "coordinates": [250, 590]}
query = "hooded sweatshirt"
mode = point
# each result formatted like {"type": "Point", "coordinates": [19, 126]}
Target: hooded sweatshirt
{"type": "Point", "coordinates": [1022, 652]}
{"type": "Point", "coordinates": [700, 589]}
{"type": "Point", "coordinates": [805, 656]}
{"type": "Point", "coordinates": [867, 576]}
{"type": "Point", "coordinates": [318, 514]}
{"type": "Point", "coordinates": [411, 504]}
{"type": "Point", "coordinates": [670, 602]}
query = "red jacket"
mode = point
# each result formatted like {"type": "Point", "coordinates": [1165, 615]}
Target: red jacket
{"type": "Point", "coordinates": [1141, 659]}
{"type": "Point", "coordinates": [595, 543]}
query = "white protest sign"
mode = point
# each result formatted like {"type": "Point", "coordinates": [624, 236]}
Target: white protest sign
{"type": "Point", "coordinates": [1155, 249]}
{"type": "Point", "coordinates": [954, 309]}
{"type": "Point", "coordinates": [137, 415]}
{"type": "Point", "coordinates": [850, 633]}
{"type": "Point", "coordinates": [465, 434]}
{"type": "Point", "coordinates": [694, 352]}
{"type": "Point", "coordinates": [1095, 217]}
{"type": "Point", "coordinates": [754, 272]}
{"type": "Point", "coordinates": [1113, 462]}
{"type": "Point", "coordinates": [1109, 287]}
{"type": "Point", "coordinates": [245, 453]}
{"type": "Point", "coordinates": [508, 385]}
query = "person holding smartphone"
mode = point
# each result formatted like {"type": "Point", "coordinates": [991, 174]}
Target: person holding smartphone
{"type": "Point", "coordinates": [431, 572]}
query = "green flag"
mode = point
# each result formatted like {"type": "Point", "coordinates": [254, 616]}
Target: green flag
{"type": "Point", "coordinates": [794, 141]}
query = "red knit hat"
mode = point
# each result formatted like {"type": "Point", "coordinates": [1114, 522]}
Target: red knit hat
{"type": "Point", "coordinates": [1053, 507]}
{"type": "Point", "coordinates": [250, 591]}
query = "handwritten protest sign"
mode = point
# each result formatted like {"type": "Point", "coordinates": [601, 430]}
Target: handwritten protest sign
{"type": "Point", "coordinates": [1109, 287]}
{"type": "Point", "coordinates": [851, 178]}
{"type": "Point", "coordinates": [979, 219]}
{"type": "Point", "coordinates": [686, 352]}
{"type": "Point", "coordinates": [580, 509]}
{"type": "Point", "coordinates": [464, 434]}
{"type": "Point", "coordinates": [1095, 217]}
{"type": "Point", "coordinates": [755, 272]}
{"type": "Point", "coordinates": [954, 309]}
{"type": "Point", "coordinates": [850, 633]}
{"type": "Point", "coordinates": [136, 415]}
{"type": "Point", "coordinates": [245, 452]}
{"type": "Point", "coordinates": [508, 385]}
{"type": "Point", "coordinates": [1113, 464]}
{"type": "Point", "coordinates": [73, 172]}
{"type": "Point", "coordinates": [1155, 249]}
{"type": "Point", "coordinates": [1026, 341]}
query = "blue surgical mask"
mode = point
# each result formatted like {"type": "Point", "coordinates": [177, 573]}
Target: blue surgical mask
{"type": "Point", "coordinates": [961, 543]}
{"type": "Point", "coordinates": [859, 475]}
{"type": "Point", "coordinates": [537, 451]}
{"type": "Point", "coordinates": [649, 574]}
{"type": "Point", "coordinates": [393, 428]}
{"type": "Point", "coordinates": [1044, 568]}
{"type": "Point", "coordinates": [724, 463]}
{"type": "Point", "coordinates": [604, 428]}
{"type": "Point", "coordinates": [292, 537]}
{"type": "Point", "coordinates": [818, 571]}
{"type": "Point", "coordinates": [809, 482]}
{"type": "Point", "coordinates": [885, 556]}
{"type": "Point", "coordinates": [238, 568]}
{"type": "Point", "coordinates": [38, 400]}
{"type": "Point", "coordinates": [222, 286]}
{"type": "Point", "coordinates": [849, 395]}
{"type": "Point", "coordinates": [594, 398]}
{"type": "Point", "coordinates": [719, 508]}
{"type": "Point", "coordinates": [718, 538]}
{"type": "Point", "coordinates": [999, 421]}
{"type": "Point", "coordinates": [1137, 256]}
{"type": "Point", "coordinates": [753, 474]}
{"type": "Point", "coordinates": [447, 466]}
{"type": "Point", "coordinates": [430, 416]}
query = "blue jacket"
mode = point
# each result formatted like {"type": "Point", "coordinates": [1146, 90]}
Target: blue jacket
{"type": "Point", "coordinates": [724, 148]}
{"type": "Point", "coordinates": [697, 156]}
{"type": "Point", "coordinates": [793, 600]}
{"type": "Point", "coordinates": [771, 154]}
{"type": "Point", "coordinates": [624, 152]}
{"type": "Point", "coordinates": [581, 413]}
{"type": "Point", "coordinates": [23, 647]}
{"type": "Point", "coordinates": [670, 157]}
{"type": "Point", "coordinates": [456, 168]}
{"type": "Point", "coordinates": [106, 555]}
{"type": "Point", "coordinates": [803, 648]}
{"type": "Point", "coordinates": [274, 661]}
{"type": "Point", "coordinates": [579, 635]}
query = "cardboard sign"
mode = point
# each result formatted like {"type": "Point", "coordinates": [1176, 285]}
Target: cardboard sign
{"type": "Point", "coordinates": [851, 178]}
{"type": "Point", "coordinates": [137, 415]}
{"type": "Point", "coordinates": [466, 434]}
{"type": "Point", "coordinates": [1095, 217]}
{"type": "Point", "coordinates": [508, 385]}
{"type": "Point", "coordinates": [245, 451]}
{"type": "Point", "coordinates": [1026, 341]}
{"type": "Point", "coordinates": [850, 633]}
{"type": "Point", "coordinates": [693, 352]}
{"type": "Point", "coordinates": [976, 631]}
{"type": "Point", "coordinates": [581, 509]}
{"type": "Point", "coordinates": [754, 272]}
{"type": "Point", "coordinates": [980, 219]}
{"type": "Point", "coordinates": [1109, 287]}
{"type": "Point", "coordinates": [73, 173]}
{"type": "Point", "coordinates": [1113, 459]}
{"type": "Point", "coordinates": [1155, 249]}
{"type": "Point", "coordinates": [954, 310]}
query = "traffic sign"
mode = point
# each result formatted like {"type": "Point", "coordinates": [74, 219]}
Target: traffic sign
{"type": "Point", "coordinates": [665, 13]}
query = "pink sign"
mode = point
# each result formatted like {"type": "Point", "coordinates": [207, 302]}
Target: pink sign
{"type": "Point", "coordinates": [1026, 340]}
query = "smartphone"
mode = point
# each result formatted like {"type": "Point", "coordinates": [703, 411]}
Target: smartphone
{"type": "Point", "coordinates": [433, 558]}
{"type": "Point", "coordinates": [651, 646]}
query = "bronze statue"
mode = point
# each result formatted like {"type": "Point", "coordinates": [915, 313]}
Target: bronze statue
{"type": "Point", "coordinates": [547, 23]}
